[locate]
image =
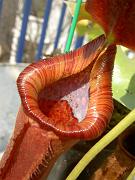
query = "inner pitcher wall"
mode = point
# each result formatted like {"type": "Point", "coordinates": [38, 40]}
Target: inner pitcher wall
{"type": "Point", "coordinates": [69, 95]}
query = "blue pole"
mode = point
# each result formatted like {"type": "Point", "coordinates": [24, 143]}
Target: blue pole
{"type": "Point", "coordinates": [63, 10]}
{"type": "Point", "coordinates": [21, 42]}
{"type": "Point", "coordinates": [79, 41]}
{"type": "Point", "coordinates": [44, 28]}
{"type": "Point", "coordinates": [1, 4]}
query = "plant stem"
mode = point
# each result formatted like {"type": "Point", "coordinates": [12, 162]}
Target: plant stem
{"type": "Point", "coordinates": [102, 143]}
{"type": "Point", "coordinates": [73, 25]}
{"type": "Point", "coordinates": [131, 175]}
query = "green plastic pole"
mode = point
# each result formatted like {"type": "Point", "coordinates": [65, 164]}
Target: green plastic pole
{"type": "Point", "coordinates": [73, 25]}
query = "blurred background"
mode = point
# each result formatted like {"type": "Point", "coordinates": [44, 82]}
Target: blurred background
{"type": "Point", "coordinates": [32, 29]}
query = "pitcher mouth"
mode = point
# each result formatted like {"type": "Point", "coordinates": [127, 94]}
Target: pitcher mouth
{"type": "Point", "coordinates": [49, 91]}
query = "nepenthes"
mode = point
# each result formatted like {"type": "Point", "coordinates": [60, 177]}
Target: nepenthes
{"type": "Point", "coordinates": [63, 99]}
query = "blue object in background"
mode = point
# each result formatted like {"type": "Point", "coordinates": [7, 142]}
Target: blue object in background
{"type": "Point", "coordinates": [44, 28]}
{"type": "Point", "coordinates": [79, 41]}
{"type": "Point", "coordinates": [63, 11]}
{"type": "Point", "coordinates": [1, 4]}
{"type": "Point", "coordinates": [21, 42]}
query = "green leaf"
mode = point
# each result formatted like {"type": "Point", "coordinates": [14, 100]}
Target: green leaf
{"type": "Point", "coordinates": [87, 27]}
{"type": "Point", "coordinates": [123, 83]}
{"type": "Point", "coordinates": [94, 31]}
{"type": "Point", "coordinates": [82, 27]}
